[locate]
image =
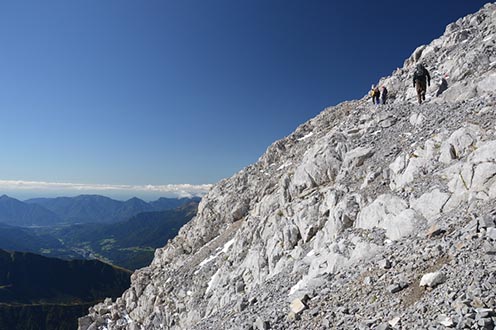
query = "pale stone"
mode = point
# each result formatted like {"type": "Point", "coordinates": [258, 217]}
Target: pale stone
{"type": "Point", "coordinates": [374, 214]}
{"type": "Point", "coordinates": [488, 84]}
{"type": "Point", "coordinates": [445, 320]}
{"type": "Point", "coordinates": [459, 143]}
{"type": "Point", "coordinates": [297, 306]}
{"type": "Point", "coordinates": [484, 176]}
{"type": "Point", "coordinates": [357, 156]}
{"type": "Point", "coordinates": [392, 214]}
{"type": "Point", "coordinates": [433, 279]}
{"type": "Point", "coordinates": [406, 168]}
{"type": "Point", "coordinates": [491, 233]}
{"type": "Point", "coordinates": [394, 321]}
{"type": "Point", "coordinates": [485, 152]}
{"type": "Point", "coordinates": [320, 164]}
{"type": "Point", "coordinates": [430, 204]}
{"type": "Point", "coordinates": [416, 119]}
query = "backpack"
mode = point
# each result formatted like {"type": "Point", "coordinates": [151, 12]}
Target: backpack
{"type": "Point", "coordinates": [420, 71]}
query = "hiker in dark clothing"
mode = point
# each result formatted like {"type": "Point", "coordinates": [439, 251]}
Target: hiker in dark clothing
{"type": "Point", "coordinates": [384, 94]}
{"type": "Point", "coordinates": [421, 79]}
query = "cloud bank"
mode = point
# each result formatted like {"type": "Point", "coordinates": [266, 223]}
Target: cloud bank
{"type": "Point", "coordinates": [65, 188]}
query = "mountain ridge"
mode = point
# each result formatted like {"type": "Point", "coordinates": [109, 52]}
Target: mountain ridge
{"type": "Point", "coordinates": [79, 209]}
{"type": "Point", "coordinates": [339, 224]}
{"type": "Point", "coordinates": [15, 212]}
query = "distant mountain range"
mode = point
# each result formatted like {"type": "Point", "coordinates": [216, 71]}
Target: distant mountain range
{"type": "Point", "coordinates": [35, 291]}
{"type": "Point", "coordinates": [129, 243]}
{"type": "Point", "coordinates": [79, 209]}
{"type": "Point", "coordinates": [17, 213]}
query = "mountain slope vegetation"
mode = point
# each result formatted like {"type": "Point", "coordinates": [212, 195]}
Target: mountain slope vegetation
{"type": "Point", "coordinates": [37, 292]}
{"type": "Point", "coordinates": [129, 244]}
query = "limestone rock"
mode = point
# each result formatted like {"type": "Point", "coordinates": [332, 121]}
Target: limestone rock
{"type": "Point", "coordinates": [459, 143]}
{"type": "Point", "coordinates": [433, 279]}
{"type": "Point", "coordinates": [297, 306]}
{"type": "Point", "coordinates": [430, 204]}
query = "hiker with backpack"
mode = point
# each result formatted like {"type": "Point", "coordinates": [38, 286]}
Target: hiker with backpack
{"type": "Point", "coordinates": [384, 94]}
{"type": "Point", "coordinates": [421, 79]}
{"type": "Point", "coordinates": [375, 94]}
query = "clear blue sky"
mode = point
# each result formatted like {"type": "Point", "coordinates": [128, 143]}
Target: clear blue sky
{"type": "Point", "coordinates": [168, 92]}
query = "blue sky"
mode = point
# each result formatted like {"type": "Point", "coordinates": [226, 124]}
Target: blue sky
{"type": "Point", "coordinates": [162, 92]}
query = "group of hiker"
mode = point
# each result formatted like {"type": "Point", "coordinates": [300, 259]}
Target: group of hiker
{"type": "Point", "coordinates": [421, 80]}
{"type": "Point", "coordinates": [377, 95]}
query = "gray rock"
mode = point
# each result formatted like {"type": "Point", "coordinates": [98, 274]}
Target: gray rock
{"type": "Point", "coordinates": [445, 320]}
{"type": "Point", "coordinates": [385, 264]}
{"type": "Point", "coordinates": [84, 322]}
{"type": "Point", "coordinates": [393, 288]}
{"type": "Point", "coordinates": [383, 326]}
{"type": "Point", "coordinates": [487, 221]}
{"type": "Point", "coordinates": [491, 233]}
{"type": "Point", "coordinates": [395, 321]}
{"type": "Point", "coordinates": [241, 305]}
{"type": "Point", "coordinates": [261, 324]}
{"type": "Point", "coordinates": [292, 316]}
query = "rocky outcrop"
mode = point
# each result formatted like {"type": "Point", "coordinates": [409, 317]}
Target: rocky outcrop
{"type": "Point", "coordinates": [336, 224]}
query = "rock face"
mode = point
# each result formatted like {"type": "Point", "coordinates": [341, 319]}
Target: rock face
{"type": "Point", "coordinates": [322, 209]}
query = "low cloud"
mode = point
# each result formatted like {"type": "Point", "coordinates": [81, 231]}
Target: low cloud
{"type": "Point", "coordinates": [65, 188]}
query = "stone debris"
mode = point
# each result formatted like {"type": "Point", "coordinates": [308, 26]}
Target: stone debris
{"type": "Point", "coordinates": [385, 264]}
{"type": "Point", "coordinates": [445, 320]}
{"type": "Point", "coordinates": [395, 321]}
{"type": "Point", "coordinates": [383, 217]}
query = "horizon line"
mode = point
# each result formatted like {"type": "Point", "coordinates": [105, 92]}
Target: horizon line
{"type": "Point", "coordinates": [180, 190]}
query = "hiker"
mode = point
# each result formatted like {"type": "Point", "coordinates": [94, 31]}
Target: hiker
{"type": "Point", "coordinates": [443, 85]}
{"type": "Point", "coordinates": [384, 94]}
{"type": "Point", "coordinates": [421, 79]}
{"type": "Point", "coordinates": [375, 94]}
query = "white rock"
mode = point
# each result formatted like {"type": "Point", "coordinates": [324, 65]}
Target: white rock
{"type": "Point", "coordinates": [416, 119]}
{"type": "Point", "coordinates": [390, 213]}
{"type": "Point", "coordinates": [297, 306]}
{"type": "Point", "coordinates": [491, 233]}
{"type": "Point", "coordinates": [433, 279]}
{"type": "Point", "coordinates": [487, 84]}
{"type": "Point", "coordinates": [430, 204]}
{"type": "Point", "coordinates": [445, 320]}
{"type": "Point", "coordinates": [395, 321]}
{"type": "Point", "coordinates": [320, 164]}
{"type": "Point", "coordinates": [459, 142]}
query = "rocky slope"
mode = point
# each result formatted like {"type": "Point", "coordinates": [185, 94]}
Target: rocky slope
{"type": "Point", "coordinates": [336, 225]}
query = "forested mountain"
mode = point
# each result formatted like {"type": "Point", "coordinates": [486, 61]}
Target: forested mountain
{"type": "Point", "coordinates": [31, 240]}
{"type": "Point", "coordinates": [35, 290]}
{"type": "Point", "coordinates": [130, 243]}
